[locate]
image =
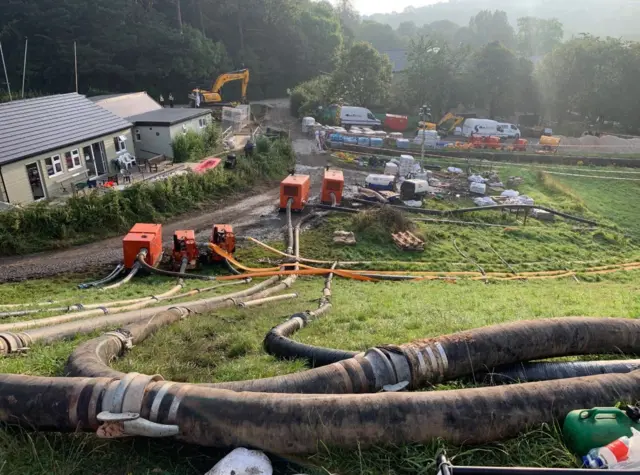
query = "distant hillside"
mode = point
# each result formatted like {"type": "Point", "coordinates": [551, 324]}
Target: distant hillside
{"type": "Point", "coordinates": [617, 18]}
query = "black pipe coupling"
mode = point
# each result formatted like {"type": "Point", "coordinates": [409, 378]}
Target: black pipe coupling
{"type": "Point", "coordinates": [390, 366]}
{"type": "Point", "coordinates": [125, 337]}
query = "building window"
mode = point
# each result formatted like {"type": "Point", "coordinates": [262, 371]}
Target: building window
{"type": "Point", "coordinates": [53, 165]}
{"type": "Point", "coordinates": [138, 138]}
{"type": "Point", "coordinates": [202, 122]}
{"type": "Point", "coordinates": [120, 143]}
{"type": "Point", "coordinates": [72, 159]}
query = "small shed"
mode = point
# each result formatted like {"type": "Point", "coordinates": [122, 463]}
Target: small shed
{"type": "Point", "coordinates": [154, 131]}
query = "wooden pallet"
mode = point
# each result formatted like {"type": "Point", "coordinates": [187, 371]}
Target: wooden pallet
{"type": "Point", "coordinates": [407, 241]}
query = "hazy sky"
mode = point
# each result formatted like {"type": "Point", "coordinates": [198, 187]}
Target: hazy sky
{"type": "Point", "coordinates": [367, 7]}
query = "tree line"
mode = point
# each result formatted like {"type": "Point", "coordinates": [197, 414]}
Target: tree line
{"type": "Point", "coordinates": [585, 80]}
{"type": "Point", "coordinates": [164, 46]}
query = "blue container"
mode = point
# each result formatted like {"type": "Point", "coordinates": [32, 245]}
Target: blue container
{"type": "Point", "coordinates": [351, 140]}
{"type": "Point", "coordinates": [402, 143]}
{"type": "Point", "coordinates": [376, 142]}
{"type": "Point", "coordinates": [441, 144]}
{"type": "Point", "coordinates": [335, 137]}
{"type": "Point", "coordinates": [364, 141]}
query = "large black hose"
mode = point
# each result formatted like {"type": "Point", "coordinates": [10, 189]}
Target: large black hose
{"type": "Point", "coordinates": [298, 423]}
{"type": "Point", "coordinates": [134, 270]}
{"type": "Point", "coordinates": [426, 362]}
{"type": "Point", "coordinates": [546, 371]}
{"type": "Point", "coordinates": [105, 280]}
{"type": "Point", "coordinates": [278, 343]}
{"type": "Point", "coordinates": [184, 275]}
{"type": "Point", "coordinates": [453, 212]}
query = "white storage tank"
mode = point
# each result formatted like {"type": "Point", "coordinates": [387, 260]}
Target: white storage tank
{"type": "Point", "coordinates": [391, 168]}
{"type": "Point", "coordinates": [411, 189]}
{"type": "Point", "coordinates": [307, 124]}
{"type": "Point", "coordinates": [380, 182]}
{"type": "Point", "coordinates": [479, 188]}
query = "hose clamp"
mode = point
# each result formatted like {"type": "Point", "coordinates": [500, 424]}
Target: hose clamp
{"type": "Point", "coordinates": [123, 401]}
{"type": "Point", "coordinates": [129, 424]}
{"type": "Point", "coordinates": [382, 368]}
{"type": "Point", "coordinates": [184, 311]}
{"type": "Point", "coordinates": [124, 336]}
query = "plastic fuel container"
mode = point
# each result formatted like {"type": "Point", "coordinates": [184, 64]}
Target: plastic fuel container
{"type": "Point", "coordinates": [585, 429]}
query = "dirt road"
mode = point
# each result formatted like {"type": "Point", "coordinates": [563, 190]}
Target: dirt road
{"type": "Point", "coordinates": [253, 214]}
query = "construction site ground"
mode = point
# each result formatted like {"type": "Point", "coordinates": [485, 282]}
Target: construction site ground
{"type": "Point", "coordinates": [227, 345]}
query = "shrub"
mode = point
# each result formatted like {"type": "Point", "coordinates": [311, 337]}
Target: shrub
{"type": "Point", "coordinates": [40, 226]}
{"type": "Point", "coordinates": [192, 146]}
{"type": "Point", "coordinates": [378, 224]}
{"type": "Point", "coordinates": [306, 97]}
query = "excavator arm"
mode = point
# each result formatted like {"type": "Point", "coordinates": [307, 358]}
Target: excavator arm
{"type": "Point", "coordinates": [213, 96]}
{"type": "Point", "coordinates": [243, 75]}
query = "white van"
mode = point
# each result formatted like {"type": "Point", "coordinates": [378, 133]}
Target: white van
{"type": "Point", "coordinates": [509, 131]}
{"type": "Point", "coordinates": [481, 127]}
{"type": "Point", "coordinates": [358, 116]}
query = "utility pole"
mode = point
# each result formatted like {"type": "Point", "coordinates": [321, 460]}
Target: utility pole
{"type": "Point", "coordinates": [6, 75]}
{"type": "Point", "coordinates": [75, 62]}
{"type": "Point", "coordinates": [425, 113]}
{"type": "Point", "coordinates": [201, 18]}
{"type": "Point", "coordinates": [179, 13]}
{"type": "Point", "coordinates": [24, 67]}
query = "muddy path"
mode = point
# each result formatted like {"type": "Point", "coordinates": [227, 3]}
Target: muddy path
{"type": "Point", "coordinates": [253, 215]}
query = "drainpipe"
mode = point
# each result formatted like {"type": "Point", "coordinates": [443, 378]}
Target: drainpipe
{"type": "Point", "coordinates": [4, 187]}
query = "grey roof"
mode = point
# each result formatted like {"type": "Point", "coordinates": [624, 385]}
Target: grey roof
{"type": "Point", "coordinates": [168, 116]}
{"type": "Point", "coordinates": [126, 105]}
{"type": "Point", "coordinates": [33, 126]}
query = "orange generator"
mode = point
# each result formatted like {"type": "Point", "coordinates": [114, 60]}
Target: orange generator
{"type": "Point", "coordinates": [332, 183]}
{"type": "Point", "coordinates": [296, 187]}
{"type": "Point", "coordinates": [143, 236]}
{"type": "Point", "coordinates": [184, 246]}
{"type": "Point", "coordinates": [222, 235]}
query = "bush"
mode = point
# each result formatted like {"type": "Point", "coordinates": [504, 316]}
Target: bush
{"type": "Point", "coordinates": [193, 146]}
{"type": "Point", "coordinates": [41, 226]}
{"type": "Point", "coordinates": [378, 224]}
{"type": "Point", "coordinates": [308, 96]}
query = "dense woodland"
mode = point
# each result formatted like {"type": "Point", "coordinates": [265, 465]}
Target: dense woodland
{"type": "Point", "coordinates": [488, 59]}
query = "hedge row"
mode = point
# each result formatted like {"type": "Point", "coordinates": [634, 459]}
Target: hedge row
{"type": "Point", "coordinates": [41, 226]}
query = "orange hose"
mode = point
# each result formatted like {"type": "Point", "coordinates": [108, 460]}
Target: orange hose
{"type": "Point", "coordinates": [307, 270]}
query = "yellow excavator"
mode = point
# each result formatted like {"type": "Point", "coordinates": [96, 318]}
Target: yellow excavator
{"type": "Point", "coordinates": [448, 124]}
{"type": "Point", "coordinates": [212, 97]}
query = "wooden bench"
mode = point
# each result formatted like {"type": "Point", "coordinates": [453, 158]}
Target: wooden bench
{"type": "Point", "coordinates": [152, 163]}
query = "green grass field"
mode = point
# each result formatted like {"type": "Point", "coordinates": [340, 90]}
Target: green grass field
{"type": "Point", "coordinates": [227, 345]}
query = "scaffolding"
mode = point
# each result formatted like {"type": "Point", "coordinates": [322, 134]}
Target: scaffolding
{"type": "Point", "coordinates": [236, 118]}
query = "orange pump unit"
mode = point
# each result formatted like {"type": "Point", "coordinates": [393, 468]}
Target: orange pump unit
{"type": "Point", "coordinates": [296, 187]}
{"type": "Point", "coordinates": [333, 182]}
{"type": "Point", "coordinates": [143, 236]}
{"type": "Point", "coordinates": [222, 235]}
{"type": "Point", "coordinates": [185, 246]}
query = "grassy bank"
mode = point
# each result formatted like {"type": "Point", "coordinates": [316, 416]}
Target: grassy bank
{"type": "Point", "coordinates": [43, 226]}
{"type": "Point", "coordinates": [227, 345]}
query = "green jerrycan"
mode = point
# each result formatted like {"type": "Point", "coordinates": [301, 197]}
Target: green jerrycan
{"type": "Point", "coordinates": [586, 429]}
